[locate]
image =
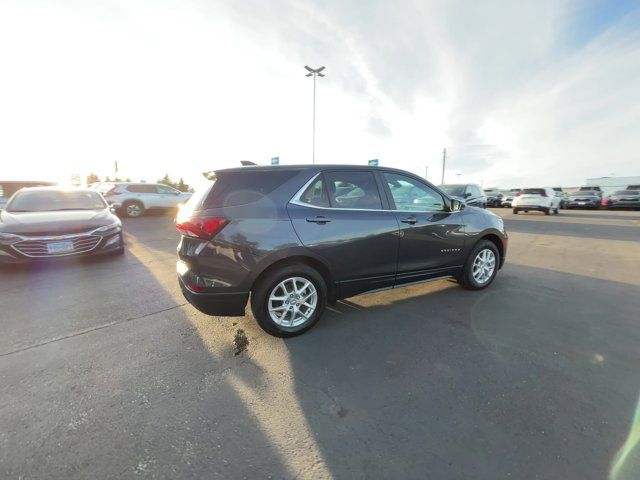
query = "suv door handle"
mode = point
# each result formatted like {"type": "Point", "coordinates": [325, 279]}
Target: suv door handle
{"type": "Point", "coordinates": [319, 219]}
{"type": "Point", "coordinates": [410, 220]}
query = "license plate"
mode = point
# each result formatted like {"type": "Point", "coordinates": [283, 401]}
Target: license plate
{"type": "Point", "coordinates": [582, 203]}
{"type": "Point", "coordinates": [60, 247]}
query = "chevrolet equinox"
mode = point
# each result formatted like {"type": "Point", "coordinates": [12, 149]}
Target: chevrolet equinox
{"type": "Point", "coordinates": [294, 238]}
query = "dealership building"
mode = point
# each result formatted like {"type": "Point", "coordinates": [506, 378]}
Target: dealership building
{"type": "Point", "coordinates": [610, 185]}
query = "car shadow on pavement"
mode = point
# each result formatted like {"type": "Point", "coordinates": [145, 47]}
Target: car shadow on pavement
{"type": "Point", "coordinates": [535, 377]}
{"type": "Point", "coordinates": [111, 375]}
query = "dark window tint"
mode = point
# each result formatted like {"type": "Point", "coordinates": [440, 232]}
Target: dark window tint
{"type": "Point", "coordinates": [454, 190]}
{"type": "Point", "coordinates": [626, 192]}
{"type": "Point", "coordinates": [240, 188]}
{"type": "Point", "coordinates": [166, 190]}
{"type": "Point", "coordinates": [410, 194]}
{"type": "Point", "coordinates": [474, 190]}
{"type": "Point", "coordinates": [142, 188]}
{"type": "Point", "coordinates": [534, 191]}
{"type": "Point", "coordinates": [316, 194]}
{"type": "Point", "coordinates": [353, 190]}
{"type": "Point", "coordinates": [589, 188]}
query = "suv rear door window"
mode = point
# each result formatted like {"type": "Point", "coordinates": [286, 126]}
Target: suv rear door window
{"type": "Point", "coordinates": [141, 188]}
{"type": "Point", "coordinates": [534, 191]}
{"type": "Point", "coordinates": [243, 187]}
{"type": "Point", "coordinates": [316, 194]}
{"type": "Point", "coordinates": [356, 190]}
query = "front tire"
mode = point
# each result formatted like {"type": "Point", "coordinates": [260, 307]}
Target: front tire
{"type": "Point", "coordinates": [289, 300]}
{"type": "Point", "coordinates": [481, 266]}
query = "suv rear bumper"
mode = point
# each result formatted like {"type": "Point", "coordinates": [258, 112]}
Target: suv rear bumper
{"type": "Point", "coordinates": [538, 208]}
{"type": "Point", "coordinates": [217, 304]}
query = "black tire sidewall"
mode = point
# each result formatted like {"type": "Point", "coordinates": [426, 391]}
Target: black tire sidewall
{"type": "Point", "coordinates": [468, 280]}
{"type": "Point", "coordinates": [260, 298]}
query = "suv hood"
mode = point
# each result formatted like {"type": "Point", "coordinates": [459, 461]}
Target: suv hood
{"type": "Point", "coordinates": [43, 223]}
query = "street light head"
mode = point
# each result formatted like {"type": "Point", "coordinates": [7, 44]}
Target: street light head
{"type": "Point", "coordinates": [321, 74]}
{"type": "Point", "coordinates": [308, 74]}
{"type": "Point", "coordinates": [313, 70]}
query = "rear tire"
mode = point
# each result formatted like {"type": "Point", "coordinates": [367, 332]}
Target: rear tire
{"type": "Point", "coordinates": [269, 288]}
{"type": "Point", "coordinates": [547, 211]}
{"type": "Point", "coordinates": [133, 209]}
{"type": "Point", "coordinates": [515, 211]}
{"type": "Point", "coordinates": [469, 278]}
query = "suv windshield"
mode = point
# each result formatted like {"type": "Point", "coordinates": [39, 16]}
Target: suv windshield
{"type": "Point", "coordinates": [455, 190]}
{"type": "Point", "coordinates": [626, 192]}
{"type": "Point", "coordinates": [534, 191]}
{"type": "Point", "coordinates": [584, 192]}
{"type": "Point", "coordinates": [55, 200]}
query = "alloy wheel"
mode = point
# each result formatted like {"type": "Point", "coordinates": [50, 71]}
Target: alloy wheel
{"type": "Point", "coordinates": [134, 210]}
{"type": "Point", "coordinates": [483, 266]}
{"type": "Point", "coordinates": [292, 302]}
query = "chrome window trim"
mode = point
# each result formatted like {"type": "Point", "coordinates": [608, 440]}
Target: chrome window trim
{"type": "Point", "coordinates": [295, 200]}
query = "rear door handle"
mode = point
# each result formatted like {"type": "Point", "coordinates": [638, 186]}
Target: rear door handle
{"type": "Point", "coordinates": [410, 220]}
{"type": "Point", "coordinates": [319, 219]}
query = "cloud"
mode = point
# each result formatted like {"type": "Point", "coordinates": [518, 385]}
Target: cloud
{"type": "Point", "coordinates": [185, 87]}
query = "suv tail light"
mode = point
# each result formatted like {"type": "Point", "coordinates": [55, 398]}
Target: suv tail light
{"type": "Point", "coordinates": [204, 228]}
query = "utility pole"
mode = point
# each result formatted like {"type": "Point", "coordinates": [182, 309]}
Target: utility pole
{"type": "Point", "coordinates": [314, 72]}
{"type": "Point", "coordinates": [444, 162]}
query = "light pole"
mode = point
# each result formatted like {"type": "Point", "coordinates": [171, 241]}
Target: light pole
{"type": "Point", "coordinates": [314, 72]}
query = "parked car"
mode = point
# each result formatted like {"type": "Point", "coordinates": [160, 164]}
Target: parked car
{"type": "Point", "coordinates": [299, 237]}
{"type": "Point", "coordinates": [585, 199]}
{"type": "Point", "coordinates": [623, 199]}
{"type": "Point", "coordinates": [537, 199]}
{"type": "Point", "coordinates": [134, 199]}
{"type": "Point", "coordinates": [469, 193]}
{"type": "Point", "coordinates": [494, 197]}
{"type": "Point", "coordinates": [509, 195]}
{"type": "Point", "coordinates": [9, 187]}
{"type": "Point", "coordinates": [633, 187]}
{"type": "Point", "coordinates": [52, 222]}
{"type": "Point", "coordinates": [592, 189]}
{"type": "Point", "coordinates": [562, 195]}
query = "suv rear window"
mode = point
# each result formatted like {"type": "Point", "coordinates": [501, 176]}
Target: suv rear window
{"type": "Point", "coordinates": [241, 188]}
{"type": "Point", "coordinates": [534, 191]}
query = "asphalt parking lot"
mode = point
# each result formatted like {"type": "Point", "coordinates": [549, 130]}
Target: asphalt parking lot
{"type": "Point", "coordinates": [106, 372]}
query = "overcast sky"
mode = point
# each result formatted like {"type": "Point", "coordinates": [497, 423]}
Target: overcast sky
{"type": "Point", "coordinates": [521, 93]}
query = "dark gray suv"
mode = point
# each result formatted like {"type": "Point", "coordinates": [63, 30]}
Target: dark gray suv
{"type": "Point", "coordinates": [298, 237]}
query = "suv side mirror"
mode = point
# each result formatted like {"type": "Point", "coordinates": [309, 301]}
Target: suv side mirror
{"type": "Point", "coordinates": [468, 194]}
{"type": "Point", "coordinates": [456, 205]}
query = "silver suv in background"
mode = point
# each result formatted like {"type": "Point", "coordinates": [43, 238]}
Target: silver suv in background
{"type": "Point", "coordinates": [134, 199]}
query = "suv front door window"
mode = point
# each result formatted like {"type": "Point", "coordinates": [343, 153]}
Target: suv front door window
{"type": "Point", "coordinates": [431, 238]}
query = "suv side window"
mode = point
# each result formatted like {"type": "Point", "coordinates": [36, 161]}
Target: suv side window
{"type": "Point", "coordinates": [141, 188]}
{"type": "Point", "coordinates": [413, 196]}
{"type": "Point", "coordinates": [352, 190]}
{"type": "Point", "coordinates": [166, 190]}
{"type": "Point", "coordinates": [316, 194]}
